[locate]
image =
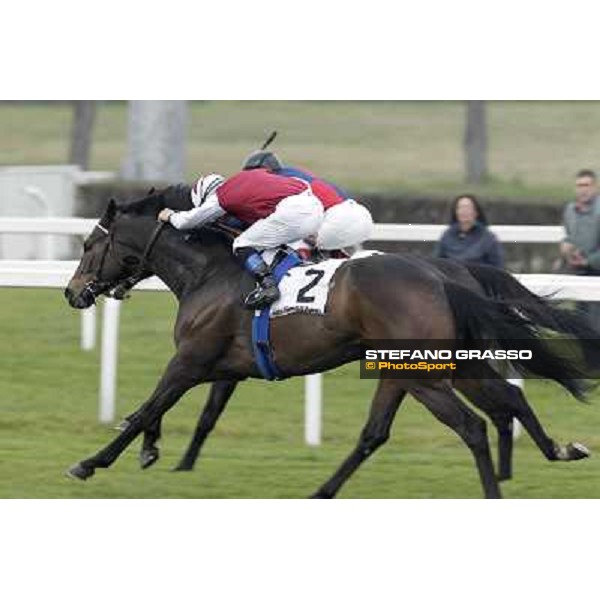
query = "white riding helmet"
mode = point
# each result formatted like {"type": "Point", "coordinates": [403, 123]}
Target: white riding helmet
{"type": "Point", "coordinates": [205, 186]}
{"type": "Point", "coordinates": [346, 224]}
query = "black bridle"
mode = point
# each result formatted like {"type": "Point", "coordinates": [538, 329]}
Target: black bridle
{"type": "Point", "coordinates": [121, 287]}
{"type": "Point", "coordinates": [121, 290]}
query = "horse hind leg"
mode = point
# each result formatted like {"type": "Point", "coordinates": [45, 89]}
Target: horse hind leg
{"type": "Point", "coordinates": [439, 398]}
{"type": "Point", "coordinates": [375, 433]}
{"type": "Point", "coordinates": [500, 415]}
{"type": "Point", "coordinates": [510, 398]}
{"type": "Point", "coordinates": [551, 449]}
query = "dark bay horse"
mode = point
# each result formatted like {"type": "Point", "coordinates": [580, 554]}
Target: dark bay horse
{"type": "Point", "coordinates": [377, 298]}
{"type": "Point", "coordinates": [497, 398]}
{"type": "Point", "coordinates": [501, 401]}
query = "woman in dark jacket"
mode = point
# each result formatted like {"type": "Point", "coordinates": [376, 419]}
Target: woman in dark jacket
{"type": "Point", "coordinates": [468, 239]}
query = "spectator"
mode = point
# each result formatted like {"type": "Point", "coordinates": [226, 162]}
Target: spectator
{"type": "Point", "coordinates": [580, 250]}
{"type": "Point", "coordinates": [468, 239]}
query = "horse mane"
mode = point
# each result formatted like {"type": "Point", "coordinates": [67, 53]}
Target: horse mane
{"type": "Point", "coordinates": [208, 235]}
{"type": "Point", "coordinates": [176, 197]}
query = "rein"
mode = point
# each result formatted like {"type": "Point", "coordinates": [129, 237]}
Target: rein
{"type": "Point", "coordinates": [157, 231]}
{"type": "Point", "coordinates": [121, 290]}
{"type": "Point", "coordinates": [231, 231]}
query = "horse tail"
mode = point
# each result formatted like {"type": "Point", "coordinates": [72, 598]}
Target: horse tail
{"type": "Point", "coordinates": [500, 285]}
{"type": "Point", "coordinates": [512, 325]}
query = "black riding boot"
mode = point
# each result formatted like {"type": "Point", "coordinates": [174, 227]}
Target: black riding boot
{"type": "Point", "coordinates": [266, 291]}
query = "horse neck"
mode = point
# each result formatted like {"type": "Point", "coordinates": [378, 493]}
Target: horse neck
{"type": "Point", "coordinates": [184, 267]}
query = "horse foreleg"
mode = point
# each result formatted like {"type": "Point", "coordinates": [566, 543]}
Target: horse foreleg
{"type": "Point", "coordinates": [177, 379]}
{"type": "Point", "coordinates": [220, 393]}
{"type": "Point", "coordinates": [150, 452]}
{"type": "Point", "coordinates": [447, 407]}
{"type": "Point", "coordinates": [504, 423]}
{"type": "Point", "coordinates": [388, 397]}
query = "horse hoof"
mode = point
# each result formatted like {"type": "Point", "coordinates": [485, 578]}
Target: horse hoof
{"type": "Point", "coordinates": [78, 471]}
{"type": "Point", "coordinates": [182, 467]}
{"type": "Point", "coordinates": [577, 451]}
{"type": "Point", "coordinates": [148, 457]}
{"type": "Point", "coordinates": [320, 496]}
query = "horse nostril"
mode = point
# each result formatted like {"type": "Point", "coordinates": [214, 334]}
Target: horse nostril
{"type": "Point", "coordinates": [68, 294]}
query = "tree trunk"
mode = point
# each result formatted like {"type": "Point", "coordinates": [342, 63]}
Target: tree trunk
{"type": "Point", "coordinates": [156, 141]}
{"type": "Point", "coordinates": [475, 142]}
{"type": "Point", "coordinates": [84, 114]}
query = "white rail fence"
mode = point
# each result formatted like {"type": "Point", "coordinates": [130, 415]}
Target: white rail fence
{"type": "Point", "coordinates": [383, 232]}
{"type": "Point", "coordinates": [40, 191]}
{"type": "Point", "coordinates": [55, 274]}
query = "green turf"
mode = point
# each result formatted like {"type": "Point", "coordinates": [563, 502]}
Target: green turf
{"type": "Point", "coordinates": [48, 405]}
{"type": "Point", "coordinates": [534, 147]}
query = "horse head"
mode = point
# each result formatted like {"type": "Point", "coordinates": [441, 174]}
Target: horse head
{"type": "Point", "coordinates": [110, 257]}
{"type": "Point", "coordinates": [115, 255]}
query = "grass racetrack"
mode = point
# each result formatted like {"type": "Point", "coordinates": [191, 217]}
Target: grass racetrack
{"type": "Point", "coordinates": [48, 421]}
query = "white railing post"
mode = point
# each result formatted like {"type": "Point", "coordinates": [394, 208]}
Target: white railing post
{"type": "Point", "coordinates": [108, 360]}
{"type": "Point", "coordinates": [517, 427]}
{"type": "Point", "coordinates": [312, 409]}
{"type": "Point", "coordinates": [88, 328]}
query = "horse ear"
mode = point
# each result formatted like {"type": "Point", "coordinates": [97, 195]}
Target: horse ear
{"type": "Point", "coordinates": [109, 213]}
{"type": "Point", "coordinates": [111, 209]}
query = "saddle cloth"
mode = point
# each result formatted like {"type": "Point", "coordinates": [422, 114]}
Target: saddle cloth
{"type": "Point", "coordinates": [304, 289]}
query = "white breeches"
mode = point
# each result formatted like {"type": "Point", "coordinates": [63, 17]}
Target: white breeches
{"type": "Point", "coordinates": [295, 218]}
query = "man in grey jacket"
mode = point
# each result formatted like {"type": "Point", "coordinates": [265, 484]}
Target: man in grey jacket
{"type": "Point", "coordinates": [580, 249]}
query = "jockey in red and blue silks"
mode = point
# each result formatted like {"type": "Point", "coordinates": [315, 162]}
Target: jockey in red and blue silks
{"type": "Point", "coordinates": [329, 193]}
{"type": "Point", "coordinates": [347, 223]}
{"type": "Point", "coordinates": [279, 211]}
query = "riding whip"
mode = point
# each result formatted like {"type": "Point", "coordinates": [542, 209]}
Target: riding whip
{"type": "Point", "coordinates": [269, 140]}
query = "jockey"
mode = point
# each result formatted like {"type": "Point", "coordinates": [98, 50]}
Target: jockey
{"type": "Point", "coordinates": [280, 210]}
{"type": "Point", "coordinates": [347, 223]}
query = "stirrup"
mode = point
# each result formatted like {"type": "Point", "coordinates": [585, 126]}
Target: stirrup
{"type": "Point", "coordinates": [260, 297]}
